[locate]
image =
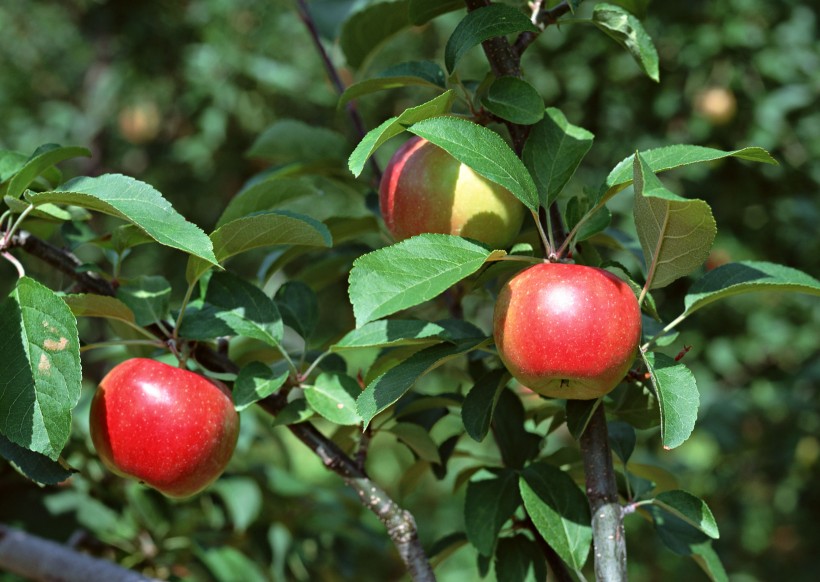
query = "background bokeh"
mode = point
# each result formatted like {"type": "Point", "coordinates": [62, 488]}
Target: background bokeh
{"type": "Point", "coordinates": [174, 93]}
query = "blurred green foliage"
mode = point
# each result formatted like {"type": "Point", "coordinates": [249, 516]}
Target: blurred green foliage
{"type": "Point", "coordinates": [175, 93]}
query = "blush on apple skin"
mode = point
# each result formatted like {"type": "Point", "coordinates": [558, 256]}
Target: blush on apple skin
{"type": "Point", "coordinates": [425, 189]}
{"type": "Point", "coordinates": [167, 427]}
{"type": "Point", "coordinates": [567, 331]}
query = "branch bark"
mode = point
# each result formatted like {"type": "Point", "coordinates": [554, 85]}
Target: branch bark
{"type": "Point", "coordinates": [608, 537]}
{"type": "Point", "coordinates": [36, 558]}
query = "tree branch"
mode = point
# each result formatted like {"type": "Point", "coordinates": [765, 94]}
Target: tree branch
{"type": "Point", "coordinates": [542, 19]}
{"type": "Point", "coordinates": [608, 537]}
{"type": "Point", "coordinates": [39, 559]}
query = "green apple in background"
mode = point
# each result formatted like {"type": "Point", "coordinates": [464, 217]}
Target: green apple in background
{"type": "Point", "coordinates": [425, 189]}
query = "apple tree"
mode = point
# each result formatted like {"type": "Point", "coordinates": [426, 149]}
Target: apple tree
{"type": "Point", "coordinates": [502, 322]}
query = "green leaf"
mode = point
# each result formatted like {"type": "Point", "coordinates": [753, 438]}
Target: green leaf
{"type": "Point", "coordinates": [419, 73]}
{"type": "Point", "coordinates": [277, 227]}
{"type": "Point", "coordinates": [40, 371]}
{"type": "Point", "coordinates": [136, 202]}
{"type": "Point", "coordinates": [255, 382]}
{"type": "Point", "coordinates": [148, 297]}
{"type": "Point", "coordinates": [685, 540]}
{"type": "Point", "coordinates": [579, 412]}
{"type": "Point", "coordinates": [388, 387]}
{"type": "Point", "coordinates": [628, 32]}
{"type": "Point", "coordinates": [410, 272]}
{"type": "Point", "coordinates": [390, 332]}
{"type": "Point", "coordinates": [294, 412]}
{"type": "Point", "coordinates": [35, 466]}
{"type": "Point", "coordinates": [745, 277]}
{"type": "Point", "coordinates": [90, 305]}
{"type": "Point", "coordinates": [488, 505]}
{"type": "Point", "coordinates": [484, 151]}
{"type": "Point", "coordinates": [11, 162]}
{"type": "Point", "coordinates": [559, 510]}
{"type": "Point", "coordinates": [515, 100]}
{"type": "Point", "coordinates": [233, 307]}
{"type": "Point", "coordinates": [678, 397]}
{"type": "Point", "coordinates": [265, 195]}
{"type": "Point", "coordinates": [515, 443]}
{"type": "Point", "coordinates": [622, 439]}
{"type": "Point", "coordinates": [394, 126]}
{"type": "Point", "coordinates": [423, 11]}
{"type": "Point", "coordinates": [291, 140]}
{"type": "Point", "coordinates": [519, 559]}
{"type": "Point", "coordinates": [50, 212]}
{"type": "Point", "coordinates": [127, 236]}
{"type": "Point", "coordinates": [671, 157]}
{"type": "Point", "coordinates": [690, 509]}
{"type": "Point", "coordinates": [553, 152]}
{"type": "Point", "coordinates": [299, 307]}
{"type": "Point", "coordinates": [675, 233]}
{"type": "Point", "coordinates": [480, 402]}
{"type": "Point", "coordinates": [578, 208]}
{"type": "Point", "coordinates": [418, 440]}
{"type": "Point", "coordinates": [483, 24]}
{"type": "Point", "coordinates": [367, 29]}
{"type": "Point", "coordinates": [242, 497]}
{"type": "Point", "coordinates": [333, 396]}
{"type": "Point", "coordinates": [227, 564]}
{"type": "Point", "coordinates": [42, 159]}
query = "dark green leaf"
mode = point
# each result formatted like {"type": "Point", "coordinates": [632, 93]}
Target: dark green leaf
{"type": "Point", "coordinates": [685, 540]}
{"type": "Point", "coordinates": [148, 297]}
{"type": "Point", "coordinates": [483, 24]}
{"type": "Point", "coordinates": [299, 307]}
{"type": "Point", "coordinates": [45, 157]}
{"type": "Point", "coordinates": [628, 31]}
{"type": "Point", "coordinates": [479, 404]}
{"type": "Point", "coordinates": [516, 444]}
{"type": "Point", "coordinates": [294, 412]}
{"type": "Point", "coordinates": [410, 272]}
{"type": "Point", "coordinates": [690, 509]}
{"type": "Point", "coordinates": [35, 466]}
{"type": "Point", "coordinates": [136, 202]}
{"type": "Point", "coordinates": [291, 140]}
{"type": "Point", "coordinates": [559, 510]}
{"type": "Point", "coordinates": [421, 73]}
{"type": "Point", "coordinates": [394, 126]}
{"type": "Point", "coordinates": [89, 305]}
{"type": "Point", "coordinates": [519, 559]}
{"type": "Point", "coordinates": [515, 100]}
{"type": "Point", "coordinates": [255, 382]}
{"type": "Point", "coordinates": [423, 11]}
{"type": "Point", "coordinates": [578, 414]}
{"type": "Point", "coordinates": [367, 29]}
{"type": "Point", "coordinates": [334, 396]}
{"type": "Point", "coordinates": [40, 371]}
{"type": "Point", "coordinates": [484, 151]}
{"type": "Point", "coordinates": [393, 384]}
{"type": "Point", "coordinates": [553, 152]}
{"type": "Point", "coordinates": [418, 439]}
{"type": "Point", "coordinates": [488, 505]}
{"type": "Point", "coordinates": [622, 439]}
{"type": "Point", "coordinates": [678, 397]}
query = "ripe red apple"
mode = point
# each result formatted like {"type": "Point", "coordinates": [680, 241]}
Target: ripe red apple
{"type": "Point", "coordinates": [167, 427]}
{"type": "Point", "coordinates": [425, 189]}
{"type": "Point", "coordinates": [567, 331]}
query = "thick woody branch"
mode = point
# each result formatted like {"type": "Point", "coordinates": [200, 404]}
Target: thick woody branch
{"type": "Point", "coordinates": [36, 558]}
{"type": "Point", "coordinates": [608, 537]}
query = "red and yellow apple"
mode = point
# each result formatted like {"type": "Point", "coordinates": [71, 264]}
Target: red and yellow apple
{"type": "Point", "coordinates": [425, 189]}
{"type": "Point", "coordinates": [567, 331]}
{"type": "Point", "coordinates": [167, 427]}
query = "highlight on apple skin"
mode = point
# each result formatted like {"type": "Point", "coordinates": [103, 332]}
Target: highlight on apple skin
{"type": "Point", "coordinates": [167, 427]}
{"type": "Point", "coordinates": [426, 190]}
{"type": "Point", "coordinates": [567, 331]}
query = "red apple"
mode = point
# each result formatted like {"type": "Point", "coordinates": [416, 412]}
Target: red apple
{"type": "Point", "coordinates": [567, 331]}
{"type": "Point", "coordinates": [425, 189]}
{"type": "Point", "coordinates": [167, 427]}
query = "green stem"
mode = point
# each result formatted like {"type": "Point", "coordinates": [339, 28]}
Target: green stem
{"type": "Point", "coordinates": [185, 301]}
{"type": "Point", "coordinates": [532, 260]}
{"type": "Point", "coordinates": [546, 242]}
{"type": "Point", "coordinates": [117, 343]}
{"type": "Point", "coordinates": [304, 376]}
{"type": "Point", "coordinates": [10, 232]}
{"type": "Point", "coordinates": [669, 326]}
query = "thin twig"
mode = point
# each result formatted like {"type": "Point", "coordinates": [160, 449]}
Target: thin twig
{"type": "Point", "coordinates": [542, 19]}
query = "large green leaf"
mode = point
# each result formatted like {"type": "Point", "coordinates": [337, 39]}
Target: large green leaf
{"type": "Point", "coordinates": [559, 510]}
{"type": "Point", "coordinates": [484, 151]}
{"type": "Point", "coordinates": [675, 233]}
{"type": "Point", "coordinates": [479, 404]}
{"type": "Point", "coordinates": [387, 388]}
{"type": "Point", "coordinates": [690, 509]}
{"type": "Point", "coordinates": [299, 307]}
{"type": "Point", "coordinates": [678, 397]}
{"type": "Point", "coordinates": [391, 332]}
{"type": "Point", "coordinates": [42, 159]}
{"type": "Point", "coordinates": [365, 30]}
{"type": "Point", "coordinates": [263, 229]}
{"type": "Point", "coordinates": [421, 73]}
{"type": "Point", "coordinates": [410, 272]}
{"type": "Point", "coordinates": [265, 195]}
{"type": "Point", "coordinates": [333, 396]}
{"type": "Point", "coordinates": [423, 11]}
{"type": "Point", "coordinates": [686, 540]}
{"type": "Point", "coordinates": [291, 140]}
{"type": "Point", "coordinates": [553, 152]}
{"type": "Point", "coordinates": [671, 157]}
{"type": "Point", "coordinates": [255, 382]}
{"type": "Point", "coordinates": [35, 466]}
{"type": "Point", "coordinates": [233, 307]}
{"type": "Point", "coordinates": [394, 126]}
{"type": "Point", "coordinates": [488, 505]}
{"type": "Point", "coordinates": [40, 372]}
{"type": "Point", "coordinates": [483, 24]}
{"type": "Point", "coordinates": [136, 202]}
{"type": "Point", "coordinates": [515, 100]}
{"type": "Point", "coordinates": [629, 33]}
{"type": "Point", "coordinates": [747, 277]}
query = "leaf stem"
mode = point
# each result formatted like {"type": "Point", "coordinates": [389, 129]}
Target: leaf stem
{"type": "Point", "coordinates": [185, 301]}
{"type": "Point", "coordinates": [21, 272]}
{"type": "Point", "coordinates": [669, 326]}
{"type": "Point", "coordinates": [116, 343]}
{"type": "Point", "coordinates": [544, 240]}
{"type": "Point", "coordinates": [13, 228]}
{"type": "Point", "coordinates": [532, 260]}
{"type": "Point", "coordinates": [306, 374]}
